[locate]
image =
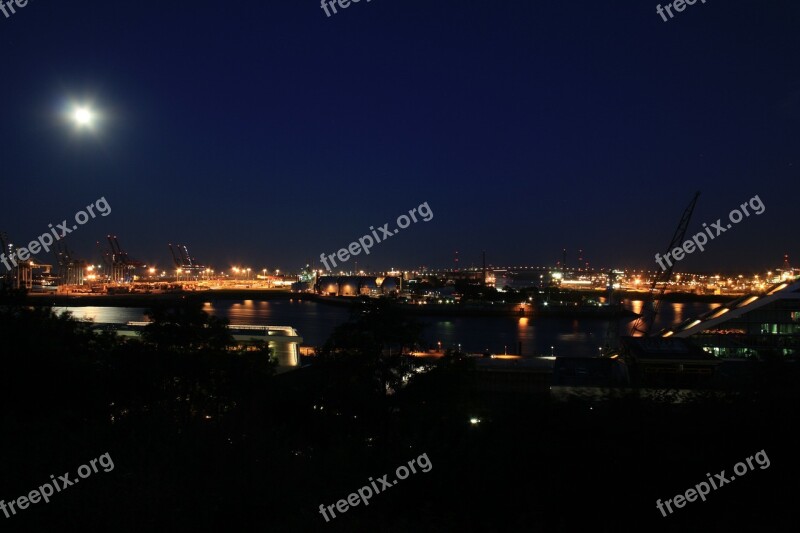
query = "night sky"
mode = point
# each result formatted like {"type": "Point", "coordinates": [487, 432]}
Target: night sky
{"type": "Point", "coordinates": [265, 133]}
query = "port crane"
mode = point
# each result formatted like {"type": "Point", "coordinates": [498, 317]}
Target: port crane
{"type": "Point", "coordinates": [63, 260]}
{"type": "Point", "coordinates": [105, 256]}
{"type": "Point", "coordinates": [652, 304]}
{"type": "Point", "coordinates": [20, 275]}
{"type": "Point", "coordinates": [8, 275]}
{"type": "Point", "coordinates": [70, 270]}
{"type": "Point", "coordinates": [181, 257]}
{"type": "Point", "coordinates": [176, 257]}
{"type": "Point", "coordinates": [183, 260]}
{"type": "Point", "coordinates": [117, 260]}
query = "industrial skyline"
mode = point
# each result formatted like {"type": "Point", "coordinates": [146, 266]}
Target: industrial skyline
{"type": "Point", "coordinates": [267, 132]}
{"type": "Point", "coordinates": [542, 241]}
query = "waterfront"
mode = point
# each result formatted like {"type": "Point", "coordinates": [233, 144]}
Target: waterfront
{"type": "Point", "coordinates": [315, 322]}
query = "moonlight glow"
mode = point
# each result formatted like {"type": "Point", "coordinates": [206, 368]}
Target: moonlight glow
{"type": "Point", "coordinates": [83, 117]}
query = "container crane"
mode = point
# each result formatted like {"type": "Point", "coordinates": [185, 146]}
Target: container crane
{"type": "Point", "coordinates": [652, 304]}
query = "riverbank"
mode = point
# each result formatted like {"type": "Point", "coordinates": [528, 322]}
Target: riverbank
{"type": "Point", "coordinates": [467, 309]}
{"type": "Point", "coordinates": [148, 300]}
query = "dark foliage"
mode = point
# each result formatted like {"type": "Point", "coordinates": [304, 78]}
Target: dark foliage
{"type": "Point", "coordinates": [208, 439]}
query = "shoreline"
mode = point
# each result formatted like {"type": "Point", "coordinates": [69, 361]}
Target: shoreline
{"type": "Point", "coordinates": [472, 309]}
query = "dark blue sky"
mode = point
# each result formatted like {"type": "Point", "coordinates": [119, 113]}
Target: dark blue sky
{"type": "Point", "coordinates": [265, 133]}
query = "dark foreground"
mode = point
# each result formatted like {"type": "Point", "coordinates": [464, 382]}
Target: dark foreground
{"type": "Point", "coordinates": [209, 441]}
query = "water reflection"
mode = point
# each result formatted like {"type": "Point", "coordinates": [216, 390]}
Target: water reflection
{"type": "Point", "coordinates": [105, 314]}
{"type": "Point", "coordinates": [315, 322]}
{"type": "Point", "coordinates": [678, 309]}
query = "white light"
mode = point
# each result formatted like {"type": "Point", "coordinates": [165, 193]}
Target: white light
{"type": "Point", "coordinates": [83, 116]}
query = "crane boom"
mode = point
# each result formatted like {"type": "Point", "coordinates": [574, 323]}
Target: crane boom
{"type": "Point", "coordinates": [652, 305]}
{"type": "Point", "coordinates": [189, 259]}
{"type": "Point", "coordinates": [175, 257]}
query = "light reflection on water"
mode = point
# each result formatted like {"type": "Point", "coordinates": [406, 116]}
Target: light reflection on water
{"type": "Point", "coordinates": [315, 322]}
{"type": "Point", "coordinates": [118, 315]}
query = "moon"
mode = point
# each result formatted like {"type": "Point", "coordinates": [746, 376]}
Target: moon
{"type": "Point", "coordinates": [83, 117]}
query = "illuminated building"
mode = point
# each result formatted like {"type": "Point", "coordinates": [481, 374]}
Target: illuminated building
{"type": "Point", "coordinates": [757, 325]}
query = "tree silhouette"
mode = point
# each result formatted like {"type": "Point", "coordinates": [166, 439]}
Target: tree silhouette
{"type": "Point", "coordinates": [375, 327]}
{"type": "Point", "coordinates": [186, 329]}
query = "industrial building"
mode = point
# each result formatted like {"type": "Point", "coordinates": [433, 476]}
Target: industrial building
{"type": "Point", "coordinates": [357, 285]}
{"type": "Point", "coordinates": [754, 326]}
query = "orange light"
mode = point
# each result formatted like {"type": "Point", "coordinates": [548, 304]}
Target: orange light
{"type": "Point", "coordinates": [778, 288]}
{"type": "Point", "coordinates": [720, 313]}
{"type": "Point", "coordinates": [748, 301]}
